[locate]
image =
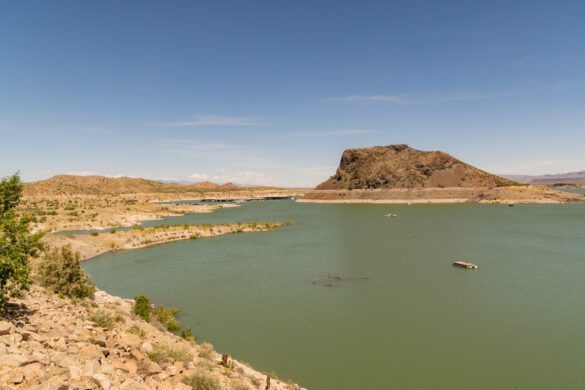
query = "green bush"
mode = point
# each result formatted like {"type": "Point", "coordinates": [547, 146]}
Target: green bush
{"type": "Point", "coordinates": [61, 272]}
{"type": "Point", "coordinates": [166, 316]}
{"type": "Point", "coordinates": [142, 307]}
{"type": "Point", "coordinates": [187, 334]}
{"type": "Point", "coordinates": [17, 244]}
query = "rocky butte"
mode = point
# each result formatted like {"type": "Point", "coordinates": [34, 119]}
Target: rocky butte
{"type": "Point", "coordinates": [401, 174]}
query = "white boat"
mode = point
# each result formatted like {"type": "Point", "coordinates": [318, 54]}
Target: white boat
{"type": "Point", "coordinates": [391, 215]}
{"type": "Point", "coordinates": [463, 264]}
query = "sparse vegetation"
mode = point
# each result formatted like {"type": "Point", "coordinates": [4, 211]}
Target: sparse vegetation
{"type": "Point", "coordinates": [104, 319]}
{"type": "Point", "coordinates": [202, 381]}
{"type": "Point", "coordinates": [206, 351]}
{"type": "Point", "coordinates": [61, 272]}
{"type": "Point", "coordinates": [137, 331]}
{"type": "Point", "coordinates": [163, 352]}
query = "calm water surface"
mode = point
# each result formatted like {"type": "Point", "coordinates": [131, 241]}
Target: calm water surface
{"type": "Point", "coordinates": [407, 319]}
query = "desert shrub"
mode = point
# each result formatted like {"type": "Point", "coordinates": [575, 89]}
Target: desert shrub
{"type": "Point", "coordinates": [202, 381]}
{"type": "Point", "coordinates": [162, 352]}
{"type": "Point", "coordinates": [142, 307]}
{"type": "Point", "coordinates": [137, 331]}
{"type": "Point", "coordinates": [292, 386]}
{"type": "Point", "coordinates": [17, 244]}
{"type": "Point", "coordinates": [104, 319]}
{"type": "Point", "coordinates": [206, 351]}
{"type": "Point", "coordinates": [61, 272]}
{"type": "Point", "coordinates": [166, 317]}
{"type": "Point", "coordinates": [187, 334]}
{"type": "Point", "coordinates": [94, 234]}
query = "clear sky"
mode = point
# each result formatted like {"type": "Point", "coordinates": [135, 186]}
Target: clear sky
{"type": "Point", "coordinates": [271, 92]}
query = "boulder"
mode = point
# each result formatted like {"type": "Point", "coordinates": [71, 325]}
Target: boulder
{"type": "Point", "coordinates": [12, 360]}
{"type": "Point", "coordinates": [89, 351]}
{"type": "Point", "coordinates": [133, 385]}
{"type": "Point", "coordinates": [15, 377]}
{"type": "Point", "coordinates": [146, 347]}
{"type": "Point", "coordinates": [5, 327]}
{"type": "Point", "coordinates": [102, 381]}
{"type": "Point", "coordinates": [33, 371]}
{"type": "Point", "coordinates": [130, 340]}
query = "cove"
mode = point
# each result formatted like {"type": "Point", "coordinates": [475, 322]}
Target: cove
{"type": "Point", "coordinates": [400, 316]}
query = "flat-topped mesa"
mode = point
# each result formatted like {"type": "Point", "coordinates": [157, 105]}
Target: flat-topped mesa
{"type": "Point", "coordinates": [400, 166]}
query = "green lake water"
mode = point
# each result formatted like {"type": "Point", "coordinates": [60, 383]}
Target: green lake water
{"type": "Point", "coordinates": [403, 317]}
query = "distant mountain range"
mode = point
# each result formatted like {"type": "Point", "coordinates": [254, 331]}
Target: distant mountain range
{"type": "Point", "coordinates": [100, 185]}
{"type": "Point", "coordinates": [561, 179]}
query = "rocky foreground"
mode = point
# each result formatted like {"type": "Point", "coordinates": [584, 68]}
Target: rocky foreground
{"type": "Point", "coordinates": [51, 343]}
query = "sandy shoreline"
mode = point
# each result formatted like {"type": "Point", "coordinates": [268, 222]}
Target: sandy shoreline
{"type": "Point", "coordinates": [90, 246]}
{"type": "Point", "coordinates": [384, 201]}
{"type": "Point", "coordinates": [445, 195]}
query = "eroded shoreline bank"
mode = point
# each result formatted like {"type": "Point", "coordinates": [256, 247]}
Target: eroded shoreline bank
{"type": "Point", "coordinates": [60, 342]}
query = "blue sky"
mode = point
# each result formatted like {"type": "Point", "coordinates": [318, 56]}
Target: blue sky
{"type": "Point", "coordinates": [271, 92]}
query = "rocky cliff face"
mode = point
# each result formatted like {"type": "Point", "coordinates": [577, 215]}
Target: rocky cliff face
{"type": "Point", "coordinates": [400, 166]}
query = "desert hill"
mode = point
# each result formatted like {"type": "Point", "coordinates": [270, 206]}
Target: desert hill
{"type": "Point", "coordinates": [401, 174]}
{"type": "Point", "coordinates": [400, 166]}
{"type": "Point", "coordinates": [100, 185]}
{"type": "Point", "coordinates": [569, 179]}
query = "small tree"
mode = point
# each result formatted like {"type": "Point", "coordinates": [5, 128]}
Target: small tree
{"type": "Point", "coordinates": [17, 243]}
{"type": "Point", "coordinates": [142, 307]}
{"type": "Point", "coordinates": [61, 272]}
